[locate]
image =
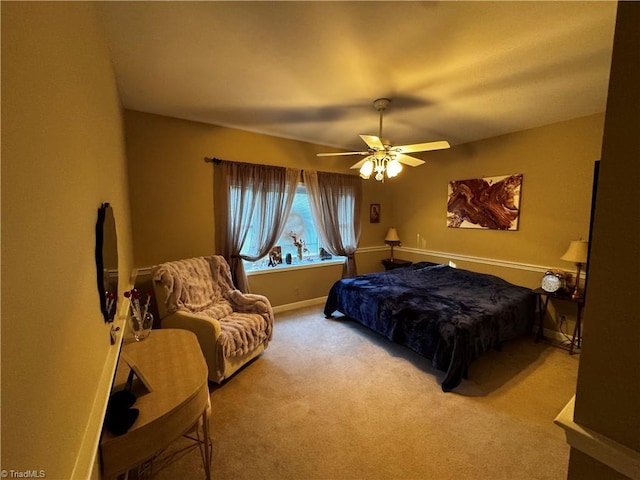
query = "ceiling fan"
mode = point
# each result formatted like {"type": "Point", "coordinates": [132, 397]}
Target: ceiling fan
{"type": "Point", "coordinates": [382, 156]}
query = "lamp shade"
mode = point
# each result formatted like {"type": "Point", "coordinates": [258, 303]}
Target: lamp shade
{"type": "Point", "coordinates": [577, 252]}
{"type": "Point", "coordinates": [392, 236]}
{"type": "Point", "coordinates": [367, 169]}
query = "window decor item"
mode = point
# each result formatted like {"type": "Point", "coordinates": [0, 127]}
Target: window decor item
{"type": "Point", "coordinates": [324, 255]}
{"type": "Point", "coordinates": [299, 243]}
{"type": "Point", "coordinates": [374, 213]}
{"type": "Point", "coordinates": [140, 319]}
{"type": "Point", "coordinates": [487, 203]}
{"type": "Point", "coordinates": [275, 256]}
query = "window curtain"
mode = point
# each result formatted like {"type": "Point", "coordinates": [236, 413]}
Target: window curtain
{"type": "Point", "coordinates": [251, 196]}
{"type": "Point", "coordinates": [335, 202]}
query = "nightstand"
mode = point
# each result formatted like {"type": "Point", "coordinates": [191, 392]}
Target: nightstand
{"type": "Point", "coordinates": [395, 263]}
{"type": "Point", "coordinates": [576, 339]}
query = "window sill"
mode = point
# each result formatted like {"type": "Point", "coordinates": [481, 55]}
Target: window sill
{"type": "Point", "coordinates": [283, 267]}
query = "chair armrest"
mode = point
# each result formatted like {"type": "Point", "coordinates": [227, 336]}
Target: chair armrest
{"type": "Point", "coordinates": [249, 302]}
{"type": "Point", "coordinates": [198, 324]}
{"type": "Point", "coordinates": [206, 329]}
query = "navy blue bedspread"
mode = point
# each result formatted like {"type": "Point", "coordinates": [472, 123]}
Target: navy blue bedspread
{"type": "Point", "coordinates": [450, 316]}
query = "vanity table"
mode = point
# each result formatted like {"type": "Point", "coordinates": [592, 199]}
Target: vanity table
{"type": "Point", "coordinates": [175, 403]}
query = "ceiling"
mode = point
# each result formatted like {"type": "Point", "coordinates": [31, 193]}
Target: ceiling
{"type": "Point", "coordinates": [456, 71]}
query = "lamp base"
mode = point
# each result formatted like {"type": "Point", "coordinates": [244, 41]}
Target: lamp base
{"type": "Point", "coordinates": [577, 292]}
{"type": "Point", "coordinates": [392, 243]}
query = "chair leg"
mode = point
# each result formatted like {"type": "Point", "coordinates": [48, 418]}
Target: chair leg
{"type": "Point", "coordinates": [206, 445]}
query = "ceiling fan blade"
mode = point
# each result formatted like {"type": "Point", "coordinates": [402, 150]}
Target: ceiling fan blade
{"type": "Point", "coordinates": [422, 147]}
{"type": "Point", "coordinates": [407, 160]}
{"type": "Point", "coordinates": [373, 142]}
{"type": "Point", "coordinates": [359, 164]}
{"type": "Point", "coordinates": [337, 154]}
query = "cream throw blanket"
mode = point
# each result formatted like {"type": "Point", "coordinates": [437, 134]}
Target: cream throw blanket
{"type": "Point", "coordinates": [203, 286]}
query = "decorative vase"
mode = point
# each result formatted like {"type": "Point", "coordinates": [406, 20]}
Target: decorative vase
{"type": "Point", "coordinates": [288, 259]}
{"type": "Point", "coordinates": [300, 253]}
{"type": "Point", "coordinates": [141, 327]}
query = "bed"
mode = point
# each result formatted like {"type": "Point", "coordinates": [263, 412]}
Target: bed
{"type": "Point", "coordinates": [450, 316]}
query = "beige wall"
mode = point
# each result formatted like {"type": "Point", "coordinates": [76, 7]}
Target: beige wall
{"type": "Point", "coordinates": [557, 164]}
{"type": "Point", "coordinates": [171, 190]}
{"type": "Point", "coordinates": [62, 156]}
{"type": "Point", "coordinates": [172, 187]}
{"type": "Point", "coordinates": [296, 285]}
{"type": "Point", "coordinates": [376, 192]}
{"type": "Point", "coordinates": [608, 392]}
{"type": "Point", "coordinates": [172, 196]}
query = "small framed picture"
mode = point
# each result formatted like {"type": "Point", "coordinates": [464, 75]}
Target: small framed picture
{"type": "Point", "coordinates": [374, 213]}
{"type": "Point", "coordinates": [275, 255]}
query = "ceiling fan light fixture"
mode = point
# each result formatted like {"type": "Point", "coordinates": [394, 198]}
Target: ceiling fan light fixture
{"type": "Point", "coordinates": [382, 156]}
{"type": "Point", "coordinates": [366, 170]}
{"type": "Point", "coordinates": [394, 167]}
{"type": "Point", "coordinates": [380, 165]}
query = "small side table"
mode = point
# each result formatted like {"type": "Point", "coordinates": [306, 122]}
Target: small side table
{"type": "Point", "coordinates": [576, 339]}
{"type": "Point", "coordinates": [395, 263]}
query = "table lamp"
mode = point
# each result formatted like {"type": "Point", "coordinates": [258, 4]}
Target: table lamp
{"type": "Point", "coordinates": [577, 253]}
{"type": "Point", "coordinates": [392, 239]}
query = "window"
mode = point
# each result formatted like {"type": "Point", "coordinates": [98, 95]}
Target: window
{"type": "Point", "coordinates": [299, 223]}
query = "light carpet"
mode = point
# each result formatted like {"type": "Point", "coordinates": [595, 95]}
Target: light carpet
{"type": "Point", "coordinates": [330, 399]}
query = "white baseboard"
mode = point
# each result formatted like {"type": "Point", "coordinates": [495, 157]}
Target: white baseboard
{"type": "Point", "coordinates": [605, 450]}
{"type": "Point", "coordinates": [87, 465]}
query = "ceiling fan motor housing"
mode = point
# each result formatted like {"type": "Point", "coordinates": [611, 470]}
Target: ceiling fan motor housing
{"type": "Point", "coordinates": [381, 103]}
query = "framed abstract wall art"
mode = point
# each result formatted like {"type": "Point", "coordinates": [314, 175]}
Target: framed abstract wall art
{"type": "Point", "coordinates": [491, 203]}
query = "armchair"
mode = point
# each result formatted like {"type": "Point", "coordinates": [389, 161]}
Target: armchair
{"type": "Point", "coordinates": [197, 294]}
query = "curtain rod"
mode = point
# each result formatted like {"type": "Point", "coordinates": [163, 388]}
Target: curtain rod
{"type": "Point", "coordinates": [218, 161]}
{"type": "Point", "coordinates": [214, 160]}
